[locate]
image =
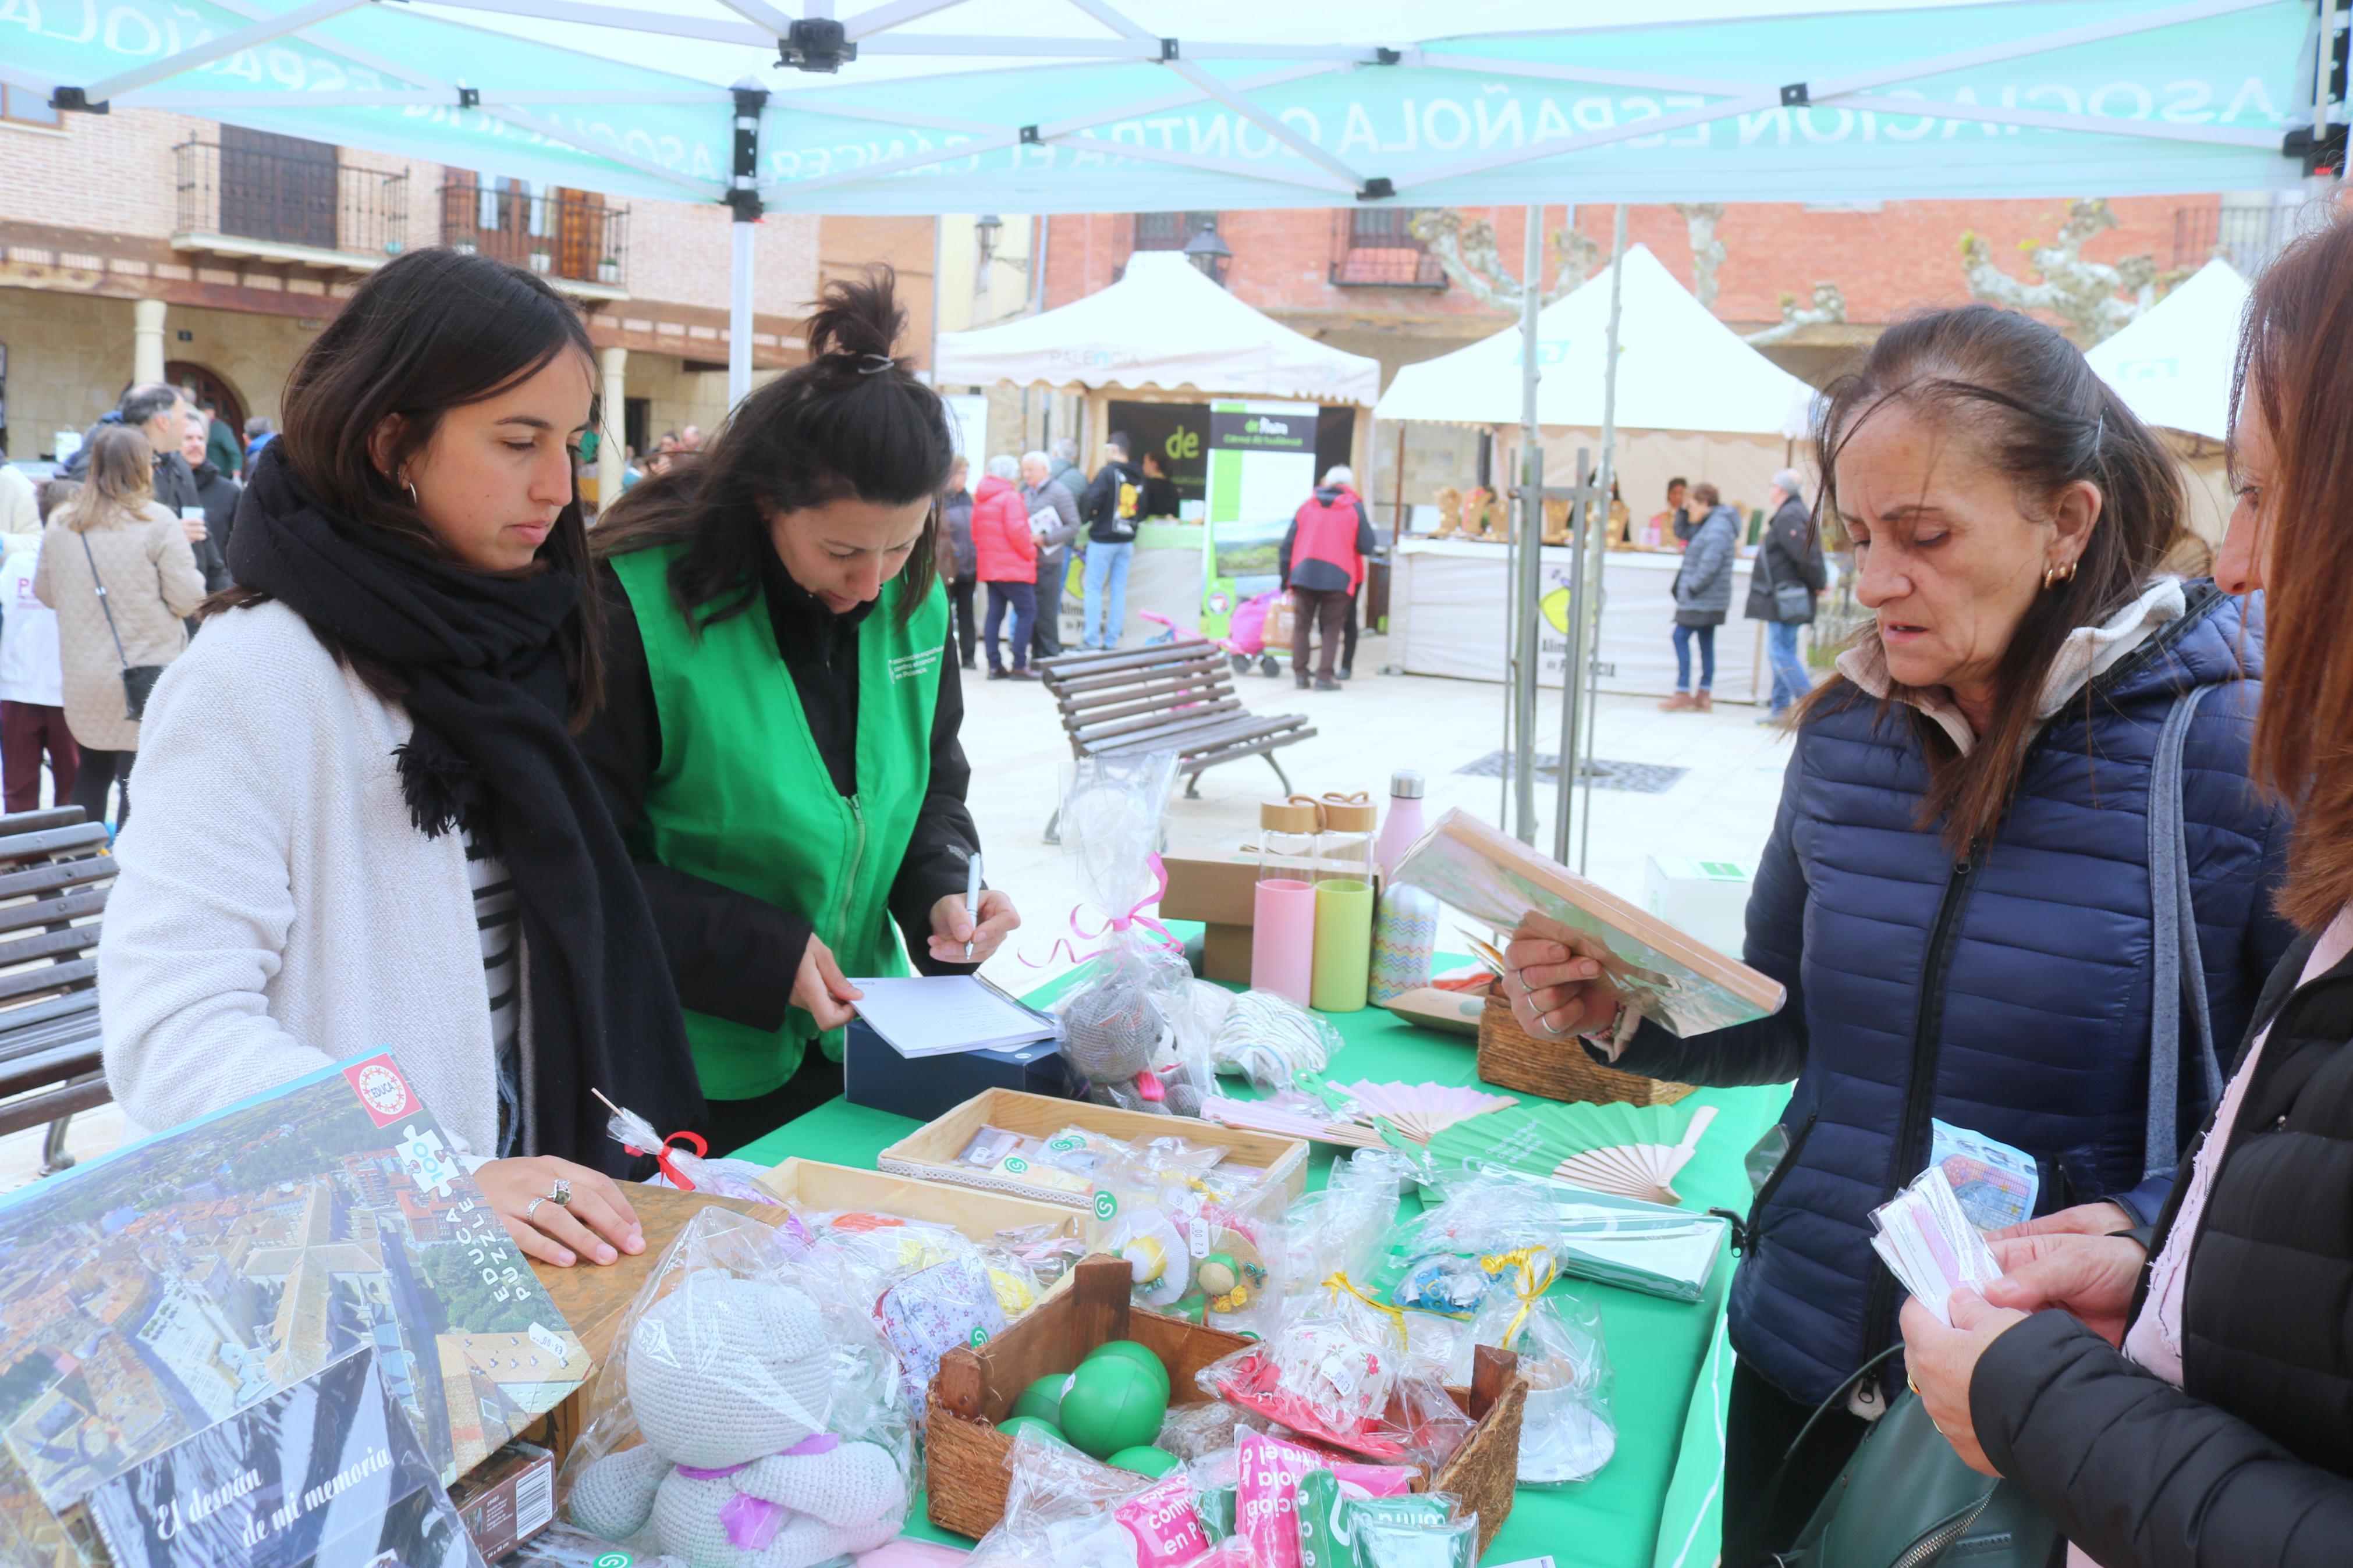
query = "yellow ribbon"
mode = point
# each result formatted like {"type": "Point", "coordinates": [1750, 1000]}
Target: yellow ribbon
{"type": "Point", "coordinates": [1526, 1282]}
{"type": "Point", "coordinates": [1340, 1281]}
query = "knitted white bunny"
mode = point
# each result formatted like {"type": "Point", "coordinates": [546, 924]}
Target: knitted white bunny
{"type": "Point", "coordinates": [728, 1380]}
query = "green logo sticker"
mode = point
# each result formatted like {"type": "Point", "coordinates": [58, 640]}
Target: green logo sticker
{"type": "Point", "coordinates": [1063, 1144]}
{"type": "Point", "coordinates": [1106, 1206]}
{"type": "Point", "coordinates": [612, 1560]}
{"type": "Point", "coordinates": [980, 1337]}
{"type": "Point", "coordinates": [1016, 1164]}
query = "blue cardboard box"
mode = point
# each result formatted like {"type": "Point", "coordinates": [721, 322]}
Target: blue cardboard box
{"type": "Point", "coordinates": [876, 1075]}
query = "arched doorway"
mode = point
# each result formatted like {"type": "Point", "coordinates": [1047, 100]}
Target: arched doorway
{"type": "Point", "coordinates": [211, 389]}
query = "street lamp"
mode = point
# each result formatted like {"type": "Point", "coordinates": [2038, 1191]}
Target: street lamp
{"type": "Point", "coordinates": [987, 228]}
{"type": "Point", "coordinates": [1207, 251]}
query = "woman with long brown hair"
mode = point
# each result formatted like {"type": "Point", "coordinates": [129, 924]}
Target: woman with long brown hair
{"type": "Point", "coordinates": [1958, 892]}
{"type": "Point", "coordinates": [117, 568]}
{"type": "Point", "coordinates": [2187, 1397]}
{"type": "Point", "coordinates": [365, 822]}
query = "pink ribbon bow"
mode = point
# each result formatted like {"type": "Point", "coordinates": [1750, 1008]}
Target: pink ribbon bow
{"type": "Point", "coordinates": [1117, 922]}
{"type": "Point", "coordinates": [753, 1522]}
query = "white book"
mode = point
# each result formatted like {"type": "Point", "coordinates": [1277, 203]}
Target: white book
{"type": "Point", "coordinates": [942, 1015]}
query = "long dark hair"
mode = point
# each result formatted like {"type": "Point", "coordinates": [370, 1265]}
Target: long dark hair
{"type": "Point", "coordinates": [2036, 413]}
{"type": "Point", "coordinates": [2293, 377]}
{"type": "Point", "coordinates": [429, 332]}
{"type": "Point", "coordinates": [851, 422]}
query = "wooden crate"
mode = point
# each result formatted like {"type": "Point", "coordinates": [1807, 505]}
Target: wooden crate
{"type": "Point", "coordinates": [1511, 1058]}
{"type": "Point", "coordinates": [813, 1185]}
{"type": "Point", "coordinates": [964, 1452]}
{"type": "Point", "coordinates": [931, 1151]}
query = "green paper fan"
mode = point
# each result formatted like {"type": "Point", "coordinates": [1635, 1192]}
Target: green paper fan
{"type": "Point", "coordinates": [1634, 1151]}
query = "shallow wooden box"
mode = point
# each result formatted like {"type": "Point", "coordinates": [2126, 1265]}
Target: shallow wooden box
{"type": "Point", "coordinates": [813, 1185]}
{"type": "Point", "coordinates": [931, 1151]}
{"type": "Point", "coordinates": [1511, 1058]}
{"type": "Point", "coordinates": [964, 1452]}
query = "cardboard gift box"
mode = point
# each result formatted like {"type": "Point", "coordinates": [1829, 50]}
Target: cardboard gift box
{"type": "Point", "coordinates": [1219, 892]}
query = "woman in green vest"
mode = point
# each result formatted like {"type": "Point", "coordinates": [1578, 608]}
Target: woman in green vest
{"type": "Point", "coordinates": [778, 742]}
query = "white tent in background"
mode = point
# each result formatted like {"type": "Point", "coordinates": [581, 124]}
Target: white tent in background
{"type": "Point", "coordinates": [1162, 325]}
{"type": "Point", "coordinates": [2173, 367]}
{"type": "Point", "coordinates": [1678, 368]}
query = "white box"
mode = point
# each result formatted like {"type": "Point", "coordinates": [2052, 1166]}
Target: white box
{"type": "Point", "coordinates": [1707, 899]}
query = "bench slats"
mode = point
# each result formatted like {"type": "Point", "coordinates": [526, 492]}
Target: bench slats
{"type": "Point", "coordinates": [56, 877]}
{"type": "Point", "coordinates": [39, 1110]}
{"type": "Point", "coordinates": [1166, 687]}
{"type": "Point", "coordinates": [1094, 736]}
{"type": "Point", "coordinates": [51, 911]}
{"type": "Point", "coordinates": [51, 978]}
{"type": "Point", "coordinates": [1190, 743]}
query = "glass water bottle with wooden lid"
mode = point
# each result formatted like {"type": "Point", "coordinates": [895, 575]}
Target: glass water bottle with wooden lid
{"type": "Point", "coordinates": [1343, 849]}
{"type": "Point", "coordinates": [1286, 839]}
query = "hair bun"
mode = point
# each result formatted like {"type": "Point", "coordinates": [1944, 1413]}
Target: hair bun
{"type": "Point", "coordinates": [858, 320]}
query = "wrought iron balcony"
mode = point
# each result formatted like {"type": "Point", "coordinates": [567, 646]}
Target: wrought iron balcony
{"type": "Point", "coordinates": [571, 236]}
{"type": "Point", "coordinates": [289, 201]}
{"type": "Point", "coordinates": [1376, 247]}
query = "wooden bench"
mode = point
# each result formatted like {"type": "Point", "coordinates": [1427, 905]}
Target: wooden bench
{"type": "Point", "coordinates": [55, 874]}
{"type": "Point", "coordinates": [1166, 697]}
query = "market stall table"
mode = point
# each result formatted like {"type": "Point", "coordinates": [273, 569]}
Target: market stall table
{"type": "Point", "coordinates": [1654, 1502]}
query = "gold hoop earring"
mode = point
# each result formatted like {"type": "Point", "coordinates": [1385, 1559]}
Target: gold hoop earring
{"type": "Point", "coordinates": [2054, 575]}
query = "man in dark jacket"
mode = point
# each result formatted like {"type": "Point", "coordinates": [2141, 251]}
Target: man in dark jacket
{"type": "Point", "coordinates": [221, 445]}
{"type": "Point", "coordinates": [218, 494]}
{"type": "Point", "coordinates": [1790, 572]}
{"type": "Point", "coordinates": [1702, 593]}
{"type": "Point", "coordinates": [1109, 511]}
{"type": "Point", "coordinates": [1323, 561]}
{"type": "Point", "coordinates": [158, 411]}
{"type": "Point", "coordinates": [1054, 519]}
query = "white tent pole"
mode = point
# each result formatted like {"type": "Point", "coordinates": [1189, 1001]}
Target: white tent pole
{"type": "Point", "coordinates": [211, 50]}
{"type": "Point", "coordinates": [1529, 588]}
{"type": "Point", "coordinates": [868, 23]}
{"type": "Point", "coordinates": [1588, 616]}
{"type": "Point", "coordinates": [744, 196]}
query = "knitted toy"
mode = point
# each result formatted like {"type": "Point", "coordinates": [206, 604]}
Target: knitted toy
{"type": "Point", "coordinates": [729, 1380]}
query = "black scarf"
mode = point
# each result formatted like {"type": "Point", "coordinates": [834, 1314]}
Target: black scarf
{"type": "Point", "coordinates": [487, 690]}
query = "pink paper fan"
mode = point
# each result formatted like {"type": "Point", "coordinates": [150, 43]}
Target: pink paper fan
{"type": "Point", "coordinates": [1422, 1109]}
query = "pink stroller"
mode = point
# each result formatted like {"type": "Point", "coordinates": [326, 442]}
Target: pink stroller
{"type": "Point", "coordinates": [1245, 638]}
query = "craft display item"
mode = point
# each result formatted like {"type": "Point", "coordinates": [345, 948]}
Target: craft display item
{"type": "Point", "coordinates": [1271, 1039]}
{"type": "Point", "coordinates": [684, 1159]}
{"type": "Point", "coordinates": [1645, 1171]}
{"type": "Point", "coordinates": [1633, 1151]}
{"type": "Point", "coordinates": [1311, 1124]}
{"type": "Point", "coordinates": [1328, 1373]}
{"type": "Point", "coordinates": [1416, 1544]}
{"type": "Point", "coordinates": [750, 1418]}
{"type": "Point", "coordinates": [1405, 935]}
{"type": "Point", "coordinates": [1567, 1434]}
{"type": "Point", "coordinates": [1146, 1460]}
{"type": "Point", "coordinates": [1422, 1111]}
{"type": "Point", "coordinates": [1112, 1403]}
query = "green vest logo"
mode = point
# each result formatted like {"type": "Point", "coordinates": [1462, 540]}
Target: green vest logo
{"type": "Point", "coordinates": [908, 666]}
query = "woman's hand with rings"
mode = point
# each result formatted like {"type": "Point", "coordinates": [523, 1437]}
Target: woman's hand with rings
{"type": "Point", "coordinates": [1556, 985]}
{"type": "Point", "coordinates": [558, 1212]}
{"type": "Point", "coordinates": [1940, 1361]}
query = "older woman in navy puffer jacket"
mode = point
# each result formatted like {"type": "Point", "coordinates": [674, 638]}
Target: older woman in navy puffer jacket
{"type": "Point", "coordinates": [1957, 894]}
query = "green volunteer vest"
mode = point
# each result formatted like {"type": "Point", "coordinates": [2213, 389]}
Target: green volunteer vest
{"type": "Point", "coordinates": [741, 796]}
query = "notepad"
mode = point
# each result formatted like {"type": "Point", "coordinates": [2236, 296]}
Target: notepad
{"type": "Point", "coordinates": [941, 1015]}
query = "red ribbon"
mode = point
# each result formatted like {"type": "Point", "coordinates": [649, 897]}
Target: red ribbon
{"type": "Point", "coordinates": [662, 1157]}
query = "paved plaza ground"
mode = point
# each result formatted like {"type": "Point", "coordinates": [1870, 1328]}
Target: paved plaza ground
{"type": "Point", "coordinates": [1720, 809]}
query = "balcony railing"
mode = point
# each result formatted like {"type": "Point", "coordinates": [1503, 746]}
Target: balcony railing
{"type": "Point", "coordinates": [2247, 236]}
{"type": "Point", "coordinates": [573, 238]}
{"type": "Point", "coordinates": [1375, 248]}
{"type": "Point", "coordinates": [293, 204]}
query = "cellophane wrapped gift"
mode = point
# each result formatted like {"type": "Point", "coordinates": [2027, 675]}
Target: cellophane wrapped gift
{"type": "Point", "coordinates": [1567, 1434]}
{"type": "Point", "coordinates": [749, 1416]}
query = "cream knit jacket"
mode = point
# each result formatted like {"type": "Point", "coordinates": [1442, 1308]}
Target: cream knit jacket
{"type": "Point", "coordinates": [275, 912]}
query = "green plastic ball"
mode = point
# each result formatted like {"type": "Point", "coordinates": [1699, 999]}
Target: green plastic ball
{"type": "Point", "coordinates": [1112, 1403]}
{"type": "Point", "coordinates": [1141, 1355]}
{"type": "Point", "coordinates": [1043, 1398]}
{"type": "Point", "coordinates": [1145, 1461]}
{"type": "Point", "coordinates": [1014, 1426]}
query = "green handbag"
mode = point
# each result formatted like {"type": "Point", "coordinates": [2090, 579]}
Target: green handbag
{"type": "Point", "coordinates": [1905, 1501]}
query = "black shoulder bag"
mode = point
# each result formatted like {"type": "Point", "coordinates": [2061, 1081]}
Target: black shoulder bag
{"type": "Point", "coordinates": [137, 679]}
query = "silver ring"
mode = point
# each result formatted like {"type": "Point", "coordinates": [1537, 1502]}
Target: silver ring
{"type": "Point", "coordinates": [1545, 1024]}
{"type": "Point", "coordinates": [531, 1208]}
{"type": "Point", "coordinates": [560, 1193]}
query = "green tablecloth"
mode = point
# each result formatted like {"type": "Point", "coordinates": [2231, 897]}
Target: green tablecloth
{"type": "Point", "coordinates": [1655, 1504]}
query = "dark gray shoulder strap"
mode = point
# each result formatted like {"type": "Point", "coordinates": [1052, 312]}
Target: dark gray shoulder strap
{"type": "Point", "coordinates": [2181, 975]}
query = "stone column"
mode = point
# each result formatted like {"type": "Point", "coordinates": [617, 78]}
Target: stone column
{"type": "Point", "coordinates": [146, 339]}
{"type": "Point", "coordinates": [611, 462]}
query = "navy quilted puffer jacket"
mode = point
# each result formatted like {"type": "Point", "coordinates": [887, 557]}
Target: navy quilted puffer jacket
{"type": "Point", "coordinates": [2007, 992]}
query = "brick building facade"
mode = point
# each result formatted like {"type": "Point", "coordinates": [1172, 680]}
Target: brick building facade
{"type": "Point", "coordinates": [143, 242]}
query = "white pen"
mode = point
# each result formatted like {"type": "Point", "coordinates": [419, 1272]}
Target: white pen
{"type": "Point", "coordinates": [972, 894]}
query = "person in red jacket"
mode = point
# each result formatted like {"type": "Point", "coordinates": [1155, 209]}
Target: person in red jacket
{"type": "Point", "coordinates": [1007, 555]}
{"type": "Point", "coordinates": [1322, 563]}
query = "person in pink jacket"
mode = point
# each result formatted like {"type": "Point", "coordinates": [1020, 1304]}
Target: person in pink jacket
{"type": "Point", "coordinates": [1007, 555]}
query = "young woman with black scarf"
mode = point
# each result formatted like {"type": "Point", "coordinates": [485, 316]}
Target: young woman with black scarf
{"type": "Point", "coordinates": [779, 741]}
{"type": "Point", "coordinates": [365, 822]}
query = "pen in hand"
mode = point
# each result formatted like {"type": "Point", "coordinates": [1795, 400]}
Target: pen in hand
{"type": "Point", "coordinates": [971, 896]}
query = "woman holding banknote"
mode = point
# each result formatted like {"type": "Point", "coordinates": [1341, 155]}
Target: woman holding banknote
{"type": "Point", "coordinates": [1957, 893]}
{"type": "Point", "coordinates": [2188, 1397]}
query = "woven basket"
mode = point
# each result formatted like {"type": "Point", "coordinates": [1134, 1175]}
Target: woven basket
{"type": "Point", "coordinates": [1511, 1058]}
{"type": "Point", "coordinates": [964, 1453]}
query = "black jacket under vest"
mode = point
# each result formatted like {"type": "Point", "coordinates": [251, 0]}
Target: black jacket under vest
{"type": "Point", "coordinates": [2250, 1462]}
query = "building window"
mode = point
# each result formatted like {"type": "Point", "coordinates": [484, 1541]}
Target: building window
{"type": "Point", "coordinates": [1169, 231]}
{"type": "Point", "coordinates": [551, 229]}
{"type": "Point", "coordinates": [2246, 231]}
{"type": "Point", "coordinates": [1375, 248]}
{"type": "Point", "coordinates": [26, 108]}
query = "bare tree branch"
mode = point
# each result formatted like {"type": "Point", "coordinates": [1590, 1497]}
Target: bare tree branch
{"type": "Point", "coordinates": [1829, 307]}
{"type": "Point", "coordinates": [1707, 250]}
{"type": "Point", "coordinates": [2093, 299]}
{"type": "Point", "coordinates": [1468, 253]}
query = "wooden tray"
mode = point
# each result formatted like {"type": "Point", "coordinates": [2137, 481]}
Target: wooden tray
{"type": "Point", "coordinates": [1511, 1058]}
{"type": "Point", "coordinates": [813, 1185]}
{"type": "Point", "coordinates": [964, 1453]}
{"type": "Point", "coordinates": [931, 1151]}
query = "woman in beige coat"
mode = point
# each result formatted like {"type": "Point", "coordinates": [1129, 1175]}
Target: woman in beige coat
{"type": "Point", "coordinates": [116, 536]}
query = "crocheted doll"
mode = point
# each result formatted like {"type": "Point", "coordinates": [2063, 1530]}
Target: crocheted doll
{"type": "Point", "coordinates": [728, 1379]}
